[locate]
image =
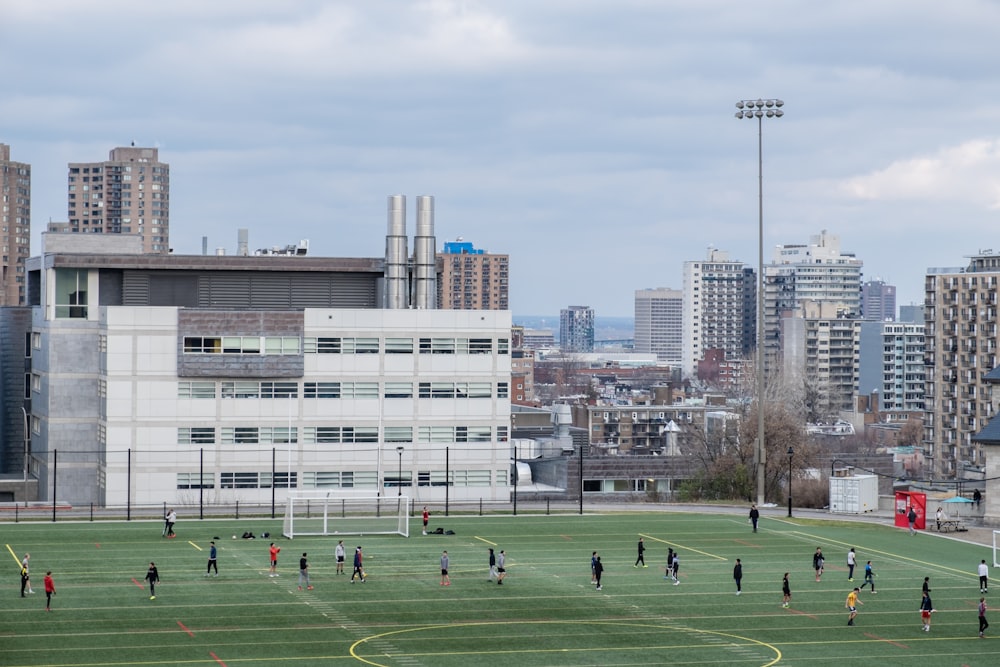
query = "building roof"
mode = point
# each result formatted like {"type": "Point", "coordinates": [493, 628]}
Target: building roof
{"type": "Point", "coordinates": [151, 262]}
{"type": "Point", "coordinates": [993, 376]}
{"type": "Point", "coordinates": [990, 435]}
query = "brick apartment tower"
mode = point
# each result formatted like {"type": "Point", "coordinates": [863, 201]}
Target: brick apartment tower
{"type": "Point", "coordinates": [472, 279]}
{"type": "Point", "coordinates": [127, 194]}
{"type": "Point", "coordinates": [15, 214]}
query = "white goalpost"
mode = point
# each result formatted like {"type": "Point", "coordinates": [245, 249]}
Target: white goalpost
{"type": "Point", "coordinates": [996, 562]}
{"type": "Point", "coordinates": [334, 512]}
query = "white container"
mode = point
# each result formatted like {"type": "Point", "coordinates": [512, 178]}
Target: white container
{"type": "Point", "coordinates": [853, 495]}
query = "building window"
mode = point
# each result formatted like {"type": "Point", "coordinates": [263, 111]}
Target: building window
{"type": "Point", "coordinates": [196, 435]}
{"type": "Point", "coordinates": [398, 390]}
{"type": "Point", "coordinates": [240, 389]}
{"type": "Point", "coordinates": [196, 389]}
{"type": "Point", "coordinates": [321, 389]}
{"type": "Point", "coordinates": [71, 293]}
{"type": "Point", "coordinates": [191, 480]}
{"type": "Point", "coordinates": [399, 346]}
{"type": "Point", "coordinates": [398, 434]}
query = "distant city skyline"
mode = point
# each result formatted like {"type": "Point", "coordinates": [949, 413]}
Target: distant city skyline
{"type": "Point", "coordinates": [594, 143]}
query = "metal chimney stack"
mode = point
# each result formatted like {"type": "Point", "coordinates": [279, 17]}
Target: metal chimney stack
{"type": "Point", "coordinates": [396, 255]}
{"type": "Point", "coordinates": [243, 242]}
{"type": "Point", "coordinates": [424, 254]}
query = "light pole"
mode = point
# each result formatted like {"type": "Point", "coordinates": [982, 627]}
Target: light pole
{"type": "Point", "coordinates": [399, 480]}
{"type": "Point", "coordinates": [759, 109]}
{"type": "Point", "coordinates": [791, 453]}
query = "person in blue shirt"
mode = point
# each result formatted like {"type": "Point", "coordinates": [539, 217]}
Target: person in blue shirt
{"type": "Point", "coordinates": [212, 560]}
{"type": "Point", "coordinates": [869, 576]}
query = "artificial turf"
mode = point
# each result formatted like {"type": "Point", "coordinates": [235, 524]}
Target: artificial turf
{"type": "Point", "coordinates": [546, 613]}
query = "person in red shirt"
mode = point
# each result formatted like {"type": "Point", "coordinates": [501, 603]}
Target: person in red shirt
{"type": "Point", "coordinates": [50, 589]}
{"type": "Point", "coordinates": [274, 560]}
{"type": "Point", "coordinates": [427, 517]}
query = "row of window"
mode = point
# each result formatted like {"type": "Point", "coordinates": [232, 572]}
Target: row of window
{"type": "Point", "coordinates": [210, 389]}
{"type": "Point", "coordinates": [337, 435]}
{"type": "Point", "coordinates": [337, 479]}
{"type": "Point", "coordinates": [341, 345]}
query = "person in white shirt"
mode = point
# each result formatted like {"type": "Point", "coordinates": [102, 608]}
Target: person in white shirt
{"type": "Point", "coordinates": [939, 517]}
{"type": "Point", "coordinates": [984, 573]}
{"type": "Point", "coordinates": [852, 560]}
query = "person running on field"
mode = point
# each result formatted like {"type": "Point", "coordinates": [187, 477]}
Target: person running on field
{"type": "Point", "coordinates": [869, 576]}
{"type": "Point", "coordinates": [852, 605]}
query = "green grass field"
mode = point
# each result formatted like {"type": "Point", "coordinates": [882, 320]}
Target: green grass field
{"type": "Point", "coordinates": [546, 613]}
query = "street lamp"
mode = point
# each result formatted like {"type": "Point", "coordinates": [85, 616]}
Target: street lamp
{"type": "Point", "coordinates": [399, 480]}
{"type": "Point", "coordinates": [791, 453]}
{"type": "Point", "coordinates": [759, 109]}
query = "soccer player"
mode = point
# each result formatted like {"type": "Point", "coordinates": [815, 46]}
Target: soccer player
{"type": "Point", "coordinates": [852, 604]}
{"type": "Point", "coordinates": [152, 576]}
{"type": "Point", "coordinates": [641, 548]}
{"type": "Point", "coordinates": [869, 577]}
{"type": "Point", "coordinates": [304, 572]}
{"type": "Point", "coordinates": [340, 555]}
{"type": "Point", "coordinates": [445, 579]}
{"type": "Point", "coordinates": [926, 607]}
{"type": "Point", "coordinates": [786, 591]}
{"type": "Point", "coordinates": [50, 590]}
{"type": "Point", "coordinates": [738, 576]}
{"type": "Point", "coordinates": [493, 566]}
{"type": "Point", "coordinates": [213, 559]}
{"type": "Point", "coordinates": [25, 575]}
{"type": "Point", "coordinates": [852, 560]}
{"type": "Point", "coordinates": [675, 569]}
{"type": "Point", "coordinates": [427, 517]}
{"type": "Point", "coordinates": [274, 551]}
{"type": "Point", "coordinates": [984, 573]}
{"type": "Point", "coordinates": [668, 571]}
{"type": "Point", "coordinates": [170, 519]}
{"type": "Point", "coordinates": [598, 571]}
{"type": "Point", "coordinates": [818, 562]}
{"type": "Point", "coordinates": [754, 516]}
{"type": "Point", "coordinates": [501, 567]}
{"type": "Point", "coordinates": [983, 623]}
{"type": "Point", "coordinates": [359, 570]}
{"type": "Point", "coordinates": [593, 567]}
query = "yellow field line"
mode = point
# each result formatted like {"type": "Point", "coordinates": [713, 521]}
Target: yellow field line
{"type": "Point", "coordinates": [674, 544]}
{"type": "Point", "coordinates": [195, 545]}
{"type": "Point", "coordinates": [483, 539]}
{"type": "Point", "coordinates": [13, 555]}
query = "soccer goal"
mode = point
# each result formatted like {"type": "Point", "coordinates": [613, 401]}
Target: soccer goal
{"type": "Point", "coordinates": [996, 562]}
{"type": "Point", "coordinates": [335, 513]}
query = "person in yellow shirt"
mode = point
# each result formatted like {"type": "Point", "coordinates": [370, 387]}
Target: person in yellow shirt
{"type": "Point", "coordinates": [852, 604]}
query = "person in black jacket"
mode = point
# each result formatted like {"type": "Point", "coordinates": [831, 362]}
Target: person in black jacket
{"type": "Point", "coordinates": [598, 571]}
{"type": "Point", "coordinates": [738, 576]}
{"type": "Point", "coordinates": [754, 516]}
{"type": "Point", "coordinates": [641, 547]}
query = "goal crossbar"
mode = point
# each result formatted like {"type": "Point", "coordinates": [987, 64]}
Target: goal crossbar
{"type": "Point", "coordinates": [338, 513]}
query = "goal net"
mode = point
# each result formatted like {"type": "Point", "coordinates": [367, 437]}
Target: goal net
{"type": "Point", "coordinates": [336, 513]}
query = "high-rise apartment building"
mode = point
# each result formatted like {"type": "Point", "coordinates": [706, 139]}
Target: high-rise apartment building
{"type": "Point", "coordinates": [15, 216]}
{"type": "Point", "coordinates": [129, 193]}
{"type": "Point", "coordinates": [892, 364]}
{"type": "Point", "coordinates": [878, 301]}
{"type": "Point", "coordinates": [576, 329]}
{"type": "Point", "coordinates": [472, 279]}
{"type": "Point", "coordinates": [719, 308]}
{"type": "Point", "coordinates": [817, 272]}
{"type": "Point", "coordinates": [820, 345]}
{"type": "Point", "coordinates": [659, 324]}
{"type": "Point", "coordinates": [961, 328]}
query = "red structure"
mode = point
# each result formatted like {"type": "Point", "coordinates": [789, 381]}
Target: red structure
{"type": "Point", "coordinates": [904, 501]}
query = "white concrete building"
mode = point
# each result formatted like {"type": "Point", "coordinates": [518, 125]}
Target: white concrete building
{"type": "Point", "coordinates": [659, 316]}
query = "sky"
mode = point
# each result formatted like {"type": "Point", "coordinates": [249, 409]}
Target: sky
{"type": "Point", "coordinates": [593, 141]}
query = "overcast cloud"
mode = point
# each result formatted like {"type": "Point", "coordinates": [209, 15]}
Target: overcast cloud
{"type": "Point", "coordinates": [593, 141]}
